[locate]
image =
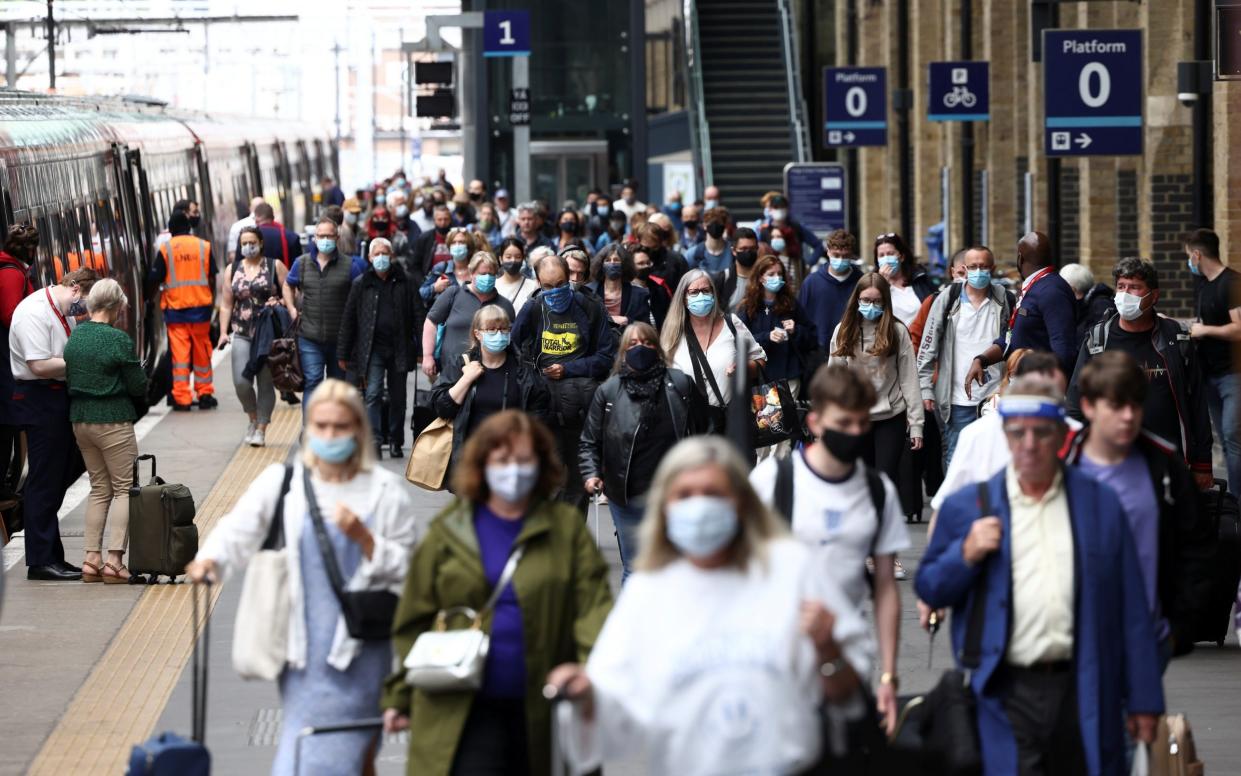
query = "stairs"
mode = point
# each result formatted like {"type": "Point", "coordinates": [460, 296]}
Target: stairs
{"type": "Point", "coordinates": [747, 102]}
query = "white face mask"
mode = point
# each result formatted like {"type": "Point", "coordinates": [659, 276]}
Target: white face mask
{"type": "Point", "coordinates": [700, 526]}
{"type": "Point", "coordinates": [512, 482]}
{"type": "Point", "coordinates": [1129, 306]}
{"type": "Point", "coordinates": [250, 250]}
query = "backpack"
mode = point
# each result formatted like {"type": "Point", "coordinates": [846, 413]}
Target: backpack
{"type": "Point", "coordinates": [1096, 339]}
{"type": "Point", "coordinates": [784, 493]}
{"type": "Point", "coordinates": [954, 296]}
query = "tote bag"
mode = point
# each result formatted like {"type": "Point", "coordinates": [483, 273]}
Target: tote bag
{"type": "Point", "coordinates": [428, 461]}
{"type": "Point", "coordinates": [261, 630]}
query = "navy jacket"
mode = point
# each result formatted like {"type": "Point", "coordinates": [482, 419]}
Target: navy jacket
{"type": "Point", "coordinates": [785, 360]}
{"type": "Point", "coordinates": [1114, 650]}
{"type": "Point", "coordinates": [592, 320]}
{"type": "Point", "coordinates": [824, 296]}
{"type": "Point", "coordinates": [1046, 320]}
{"type": "Point", "coordinates": [635, 301]}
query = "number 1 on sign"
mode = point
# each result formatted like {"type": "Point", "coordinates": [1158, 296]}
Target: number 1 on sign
{"type": "Point", "coordinates": [507, 38]}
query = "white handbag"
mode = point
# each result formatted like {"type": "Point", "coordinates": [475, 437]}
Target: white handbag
{"type": "Point", "coordinates": [450, 661]}
{"type": "Point", "coordinates": [261, 630]}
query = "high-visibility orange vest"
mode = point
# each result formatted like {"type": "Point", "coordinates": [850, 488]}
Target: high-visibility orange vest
{"type": "Point", "coordinates": [186, 285]}
{"type": "Point", "coordinates": [92, 259]}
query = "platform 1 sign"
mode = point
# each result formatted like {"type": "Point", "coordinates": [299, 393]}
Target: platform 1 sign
{"type": "Point", "coordinates": [960, 91]}
{"type": "Point", "coordinates": [1092, 92]}
{"type": "Point", "coordinates": [856, 106]}
{"type": "Point", "coordinates": [506, 34]}
{"type": "Point", "coordinates": [816, 194]}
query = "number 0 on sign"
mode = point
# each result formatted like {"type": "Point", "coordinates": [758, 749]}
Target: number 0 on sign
{"type": "Point", "coordinates": [855, 103]}
{"type": "Point", "coordinates": [1092, 92]}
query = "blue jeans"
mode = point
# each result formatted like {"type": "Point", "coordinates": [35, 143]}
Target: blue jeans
{"type": "Point", "coordinates": [381, 366]}
{"type": "Point", "coordinates": [626, 520]}
{"type": "Point", "coordinates": [960, 416]}
{"type": "Point", "coordinates": [1222, 398]}
{"type": "Point", "coordinates": [317, 358]}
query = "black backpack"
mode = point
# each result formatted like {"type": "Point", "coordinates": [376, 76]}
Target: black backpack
{"type": "Point", "coordinates": [784, 493]}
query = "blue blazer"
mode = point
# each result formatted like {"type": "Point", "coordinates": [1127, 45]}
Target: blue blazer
{"type": "Point", "coordinates": [1114, 647]}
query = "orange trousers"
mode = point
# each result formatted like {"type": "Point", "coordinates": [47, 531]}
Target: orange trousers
{"type": "Point", "coordinates": [191, 346]}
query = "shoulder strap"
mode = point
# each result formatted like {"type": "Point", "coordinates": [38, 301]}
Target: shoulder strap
{"type": "Point", "coordinates": [879, 498]}
{"type": "Point", "coordinates": [783, 497]}
{"type": "Point", "coordinates": [330, 564]}
{"type": "Point", "coordinates": [971, 650]}
{"type": "Point", "coordinates": [275, 533]}
{"type": "Point", "coordinates": [702, 368]}
{"type": "Point", "coordinates": [1096, 342]}
{"type": "Point", "coordinates": [954, 296]}
{"type": "Point", "coordinates": [506, 576]}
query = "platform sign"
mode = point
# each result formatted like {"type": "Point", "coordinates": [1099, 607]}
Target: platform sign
{"type": "Point", "coordinates": [855, 103]}
{"type": "Point", "coordinates": [960, 91]}
{"type": "Point", "coordinates": [817, 195]}
{"type": "Point", "coordinates": [1092, 92]}
{"type": "Point", "coordinates": [506, 34]}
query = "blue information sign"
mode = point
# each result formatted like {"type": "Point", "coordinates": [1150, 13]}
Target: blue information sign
{"type": "Point", "coordinates": [1092, 92]}
{"type": "Point", "coordinates": [816, 194]}
{"type": "Point", "coordinates": [960, 91]}
{"type": "Point", "coordinates": [506, 34]}
{"type": "Point", "coordinates": [856, 106]}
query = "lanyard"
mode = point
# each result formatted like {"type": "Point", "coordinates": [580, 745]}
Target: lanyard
{"type": "Point", "coordinates": [56, 310]}
{"type": "Point", "coordinates": [1025, 289]}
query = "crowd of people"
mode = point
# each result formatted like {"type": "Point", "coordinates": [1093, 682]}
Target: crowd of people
{"type": "Point", "coordinates": [1065, 446]}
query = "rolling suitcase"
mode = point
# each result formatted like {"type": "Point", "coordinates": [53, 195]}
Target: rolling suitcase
{"type": "Point", "coordinates": [1214, 622]}
{"type": "Point", "coordinates": [162, 534]}
{"type": "Point", "coordinates": [169, 754]}
{"type": "Point", "coordinates": [374, 723]}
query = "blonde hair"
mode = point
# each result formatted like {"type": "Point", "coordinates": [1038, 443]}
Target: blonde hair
{"type": "Point", "coordinates": [488, 313]}
{"type": "Point", "coordinates": [757, 525]}
{"type": "Point", "coordinates": [106, 294]}
{"type": "Point", "coordinates": [674, 324]}
{"type": "Point", "coordinates": [341, 392]}
{"type": "Point", "coordinates": [481, 258]}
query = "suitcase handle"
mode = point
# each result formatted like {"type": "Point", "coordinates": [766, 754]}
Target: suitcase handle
{"type": "Point", "coordinates": [373, 723]}
{"type": "Point", "coordinates": [138, 460]}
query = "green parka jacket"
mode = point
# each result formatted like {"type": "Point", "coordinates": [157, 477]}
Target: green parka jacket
{"type": "Point", "coordinates": [562, 587]}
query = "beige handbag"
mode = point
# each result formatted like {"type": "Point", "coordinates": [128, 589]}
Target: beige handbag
{"type": "Point", "coordinates": [261, 630]}
{"type": "Point", "coordinates": [428, 461]}
{"type": "Point", "coordinates": [449, 661]}
{"type": "Point", "coordinates": [1174, 753]}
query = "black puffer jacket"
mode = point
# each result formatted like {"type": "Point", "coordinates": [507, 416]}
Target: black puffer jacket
{"type": "Point", "coordinates": [534, 395]}
{"type": "Point", "coordinates": [357, 325]}
{"type": "Point", "coordinates": [612, 427]}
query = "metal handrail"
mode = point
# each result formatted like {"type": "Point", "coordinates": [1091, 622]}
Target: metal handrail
{"type": "Point", "coordinates": [700, 135]}
{"type": "Point", "coordinates": [798, 111]}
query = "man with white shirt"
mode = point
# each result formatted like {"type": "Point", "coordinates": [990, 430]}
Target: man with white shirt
{"type": "Point", "coordinates": [963, 321]}
{"type": "Point", "coordinates": [852, 511]}
{"type": "Point", "coordinates": [1063, 647]}
{"type": "Point", "coordinates": [41, 326]}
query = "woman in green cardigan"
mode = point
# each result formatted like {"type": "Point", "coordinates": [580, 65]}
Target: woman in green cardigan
{"type": "Point", "coordinates": [552, 611]}
{"type": "Point", "coordinates": [104, 378]}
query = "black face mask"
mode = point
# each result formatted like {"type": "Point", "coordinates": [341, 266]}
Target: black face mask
{"type": "Point", "coordinates": [442, 229]}
{"type": "Point", "coordinates": [845, 448]}
{"type": "Point", "coordinates": [643, 273]}
{"type": "Point", "coordinates": [691, 225]}
{"type": "Point", "coordinates": [618, 227]}
{"type": "Point", "coordinates": [511, 267]}
{"type": "Point", "coordinates": [568, 226]}
{"type": "Point", "coordinates": [746, 258]}
{"type": "Point", "coordinates": [716, 230]}
{"type": "Point", "coordinates": [476, 196]}
{"type": "Point", "coordinates": [657, 254]}
{"type": "Point", "coordinates": [641, 358]}
{"type": "Point", "coordinates": [195, 221]}
{"type": "Point", "coordinates": [380, 226]}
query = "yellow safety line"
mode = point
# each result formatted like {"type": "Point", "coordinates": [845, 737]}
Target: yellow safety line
{"type": "Point", "coordinates": [125, 694]}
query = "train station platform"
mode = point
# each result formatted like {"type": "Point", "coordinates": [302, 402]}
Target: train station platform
{"type": "Point", "coordinates": [87, 671]}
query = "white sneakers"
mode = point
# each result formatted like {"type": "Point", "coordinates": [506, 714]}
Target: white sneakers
{"type": "Point", "coordinates": [899, 571]}
{"type": "Point", "coordinates": [255, 436]}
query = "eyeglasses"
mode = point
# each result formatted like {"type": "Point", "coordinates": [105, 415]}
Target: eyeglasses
{"type": "Point", "coordinates": [502, 330]}
{"type": "Point", "coordinates": [1041, 432]}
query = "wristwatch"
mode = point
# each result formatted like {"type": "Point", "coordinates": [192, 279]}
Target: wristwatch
{"type": "Point", "coordinates": [887, 677]}
{"type": "Point", "coordinates": [833, 667]}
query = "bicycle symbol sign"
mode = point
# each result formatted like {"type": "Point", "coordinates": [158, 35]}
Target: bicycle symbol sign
{"type": "Point", "coordinates": [959, 91]}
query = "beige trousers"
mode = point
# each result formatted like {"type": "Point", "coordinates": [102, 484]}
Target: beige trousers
{"type": "Point", "coordinates": [109, 450]}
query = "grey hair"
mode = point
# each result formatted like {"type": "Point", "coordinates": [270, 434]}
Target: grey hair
{"type": "Point", "coordinates": [538, 254]}
{"type": "Point", "coordinates": [379, 242]}
{"type": "Point", "coordinates": [1080, 279]}
{"type": "Point", "coordinates": [533, 207]}
{"type": "Point", "coordinates": [106, 294]}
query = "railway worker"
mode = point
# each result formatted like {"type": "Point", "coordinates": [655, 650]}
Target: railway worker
{"type": "Point", "coordinates": [278, 242]}
{"type": "Point", "coordinates": [17, 254]}
{"type": "Point", "coordinates": [234, 231]}
{"type": "Point", "coordinates": [186, 273]}
{"type": "Point", "coordinates": [40, 402]}
{"type": "Point", "coordinates": [192, 212]}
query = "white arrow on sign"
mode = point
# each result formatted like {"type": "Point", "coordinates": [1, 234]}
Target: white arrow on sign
{"type": "Point", "coordinates": [1083, 140]}
{"type": "Point", "coordinates": [849, 136]}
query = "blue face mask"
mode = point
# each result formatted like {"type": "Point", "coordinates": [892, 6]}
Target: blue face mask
{"type": "Point", "coordinates": [841, 266]}
{"type": "Point", "coordinates": [1189, 261]}
{"type": "Point", "coordinates": [495, 341]}
{"type": "Point", "coordinates": [380, 199]}
{"type": "Point", "coordinates": [381, 262]}
{"type": "Point", "coordinates": [336, 450]}
{"type": "Point", "coordinates": [870, 311]}
{"type": "Point", "coordinates": [978, 278]}
{"type": "Point", "coordinates": [710, 204]}
{"type": "Point", "coordinates": [558, 299]}
{"type": "Point", "coordinates": [325, 244]}
{"type": "Point", "coordinates": [773, 283]}
{"type": "Point", "coordinates": [613, 271]}
{"type": "Point", "coordinates": [675, 207]}
{"type": "Point", "coordinates": [889, 262]}
{"type": "Point", "coordinates": [700, 526]}
{"type": "Point", "coordinates": [402, 210]}
{"type": "Point", "coordinates": [701, 305]}
{"type": "Point", "coordinates": [603, 210]}
{"type": "Point", "coordinates": [485, 283]}
{"type": "Point", "coordinates": [777, 244]}
{"type": "Point", "coordinates": [458, 251]}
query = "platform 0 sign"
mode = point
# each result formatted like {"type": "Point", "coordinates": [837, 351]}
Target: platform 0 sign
{"type": "Point", "coordinates": [1092, 92]}
{"type": "Point", "coordinates": [506, 34]}
{"type": "Point", "coordinates": [816, 194]}
{"type": "Point", "coordinates": [856, 106]}
{"type": "Point", "coordinates": [960, 91]}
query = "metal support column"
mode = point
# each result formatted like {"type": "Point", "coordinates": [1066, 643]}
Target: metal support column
{"type": "Point", "coordinates": [10, 54]}
{"type": "Point", "coordinates": [521, 135]}
{"type": "Point", "coordinates": [967, 136]}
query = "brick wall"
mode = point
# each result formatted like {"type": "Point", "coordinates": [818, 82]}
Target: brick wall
{"type": "Point", "coordinates": [1127, 213]}
{"type": "Point", "coordinates": [1070, 214]}
{"type": "Point", "coordinates": [1170, 212]}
